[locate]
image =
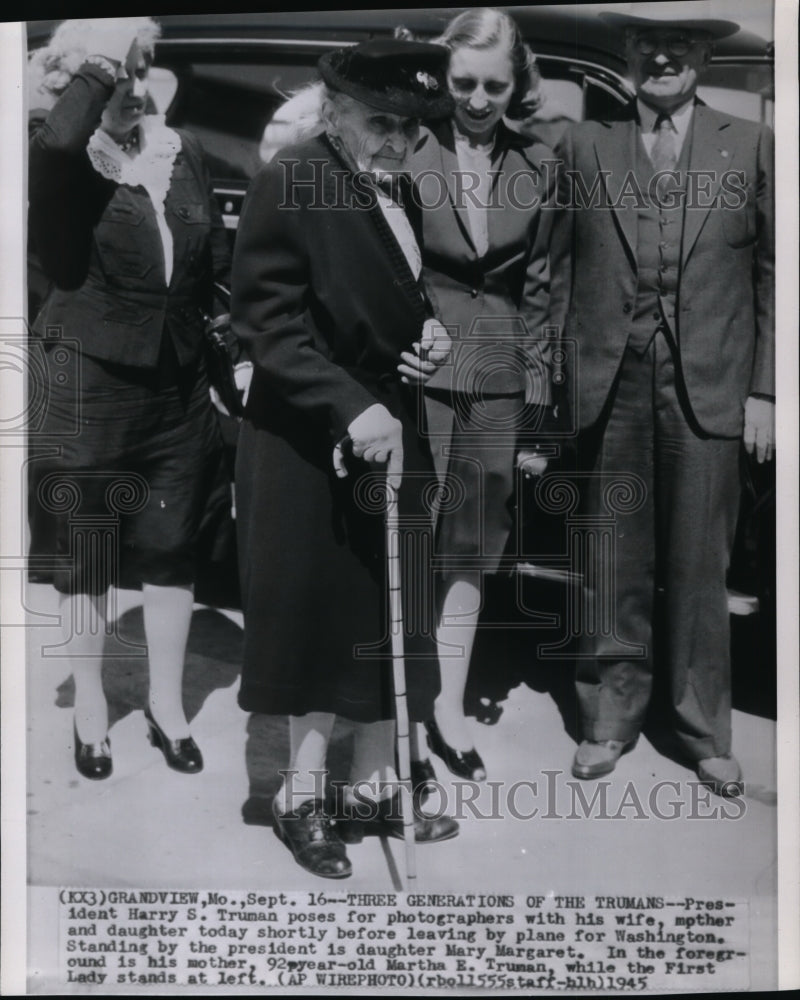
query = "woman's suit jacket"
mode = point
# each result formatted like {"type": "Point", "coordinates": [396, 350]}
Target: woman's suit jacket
{"type": "Point", "coordinates": [325, 302]}
{"type": "Point", "coordinates": [501, 299]}
{"type": "Point", "coordinates": [98, 241]}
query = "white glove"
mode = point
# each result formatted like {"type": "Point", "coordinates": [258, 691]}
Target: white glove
{"type": "Point", "coordinates": [376, 436]}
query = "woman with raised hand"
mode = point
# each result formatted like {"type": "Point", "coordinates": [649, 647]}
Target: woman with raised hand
{"type": "Point", "coordinates": [127, 231]}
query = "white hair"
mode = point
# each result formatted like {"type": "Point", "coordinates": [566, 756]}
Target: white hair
{"type": "Point", "coordinates": [51, 68]}
{"type": "Point", "coordinates": [297, 119]}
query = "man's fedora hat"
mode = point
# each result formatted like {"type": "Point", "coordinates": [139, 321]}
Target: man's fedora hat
{"type": "Point", "coordinates": [649, 16]}
{"type": "Point", "coordinates": [401, 77]}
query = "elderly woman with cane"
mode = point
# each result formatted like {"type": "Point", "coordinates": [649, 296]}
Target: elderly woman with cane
{"type": "Point", "coordinates": [327, 296]}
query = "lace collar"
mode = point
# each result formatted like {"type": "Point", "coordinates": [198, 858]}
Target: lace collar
{"type": "Point", "coordinates": [151, 167]}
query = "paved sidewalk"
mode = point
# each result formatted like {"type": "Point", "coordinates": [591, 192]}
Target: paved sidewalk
{"type": "Point", "coordinates": [150, 827]}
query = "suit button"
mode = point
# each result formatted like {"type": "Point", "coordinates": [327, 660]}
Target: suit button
{"type": "Point", "coordinates": [627, 307]}
{"type": "Point", "coordinates": [474, 293]}
{"type": "Point", "coordinates": [656, 315]}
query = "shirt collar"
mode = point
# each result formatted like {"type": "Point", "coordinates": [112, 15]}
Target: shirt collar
{"type": "Point", "coordinates": [681, 117]}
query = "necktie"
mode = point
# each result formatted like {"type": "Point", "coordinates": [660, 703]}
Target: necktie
{"type": "Point", "coordinates": [664, 153]}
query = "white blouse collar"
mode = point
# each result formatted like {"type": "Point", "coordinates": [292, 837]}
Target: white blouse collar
{"type": "Point", "coordinates": [151, 167]}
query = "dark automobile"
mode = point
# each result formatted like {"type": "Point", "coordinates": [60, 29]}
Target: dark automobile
{"type": "Point", "coordinates": [223, 76]}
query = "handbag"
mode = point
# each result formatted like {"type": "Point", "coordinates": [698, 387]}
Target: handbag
{"type": "Point", "coordinates": [221, 350]}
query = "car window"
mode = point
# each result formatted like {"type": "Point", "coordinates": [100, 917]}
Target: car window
{"type": "Point", "coordinates": [746, 90]}
{"type": "Point", "coordinates": [228, 104]}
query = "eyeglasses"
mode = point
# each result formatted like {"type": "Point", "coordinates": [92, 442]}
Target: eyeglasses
{"type": "Point", "coordinates": [676, 45]}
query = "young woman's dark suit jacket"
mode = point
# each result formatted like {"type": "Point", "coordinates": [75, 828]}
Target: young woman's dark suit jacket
{"type": "Point", "coordinates": [496, 307]}
{"type": "Point", "coordinates": [325, 301]}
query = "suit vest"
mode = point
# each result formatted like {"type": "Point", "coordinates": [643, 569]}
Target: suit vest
{"type": "Point", "coordinates": [659, 240]}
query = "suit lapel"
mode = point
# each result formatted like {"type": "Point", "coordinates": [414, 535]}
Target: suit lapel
{"type": "Point", "coordinates": [615, 150]}
{"type": "Point", "coordinates": [711, 154]}
{"type": "Point", "coordinates": [451, 173]}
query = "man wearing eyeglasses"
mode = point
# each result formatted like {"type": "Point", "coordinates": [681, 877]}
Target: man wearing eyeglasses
{"type": "Point", "coordinates": [663, 273]}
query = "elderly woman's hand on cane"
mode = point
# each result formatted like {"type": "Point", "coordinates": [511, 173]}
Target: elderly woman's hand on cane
{"type": "Point", "coordinates": [376, 436]}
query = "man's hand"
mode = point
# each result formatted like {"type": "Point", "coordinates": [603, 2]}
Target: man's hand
{"type": "Point", "coordinates": [759, 428]}
{"type": "Point", "coordinates": [430, 351]}
{"type": "Point", "coordinates": [376, 436]}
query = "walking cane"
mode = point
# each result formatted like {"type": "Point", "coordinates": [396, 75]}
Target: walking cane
{"type": "Point", "coordinates": [399, 678]}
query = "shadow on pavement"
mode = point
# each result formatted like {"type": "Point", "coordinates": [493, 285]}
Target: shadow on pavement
{"type": "Point", "coordinates": [213, 659]}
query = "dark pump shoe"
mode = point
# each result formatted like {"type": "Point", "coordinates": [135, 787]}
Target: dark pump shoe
{"type": "Point", "coordinates": [462, 763]}
{"type": "Point", "coordinates": [181, 755]}
{"type": "Point", "coordinates": [385, 818]}
{"type": "Point", "coordinates": [722, 775]}
{"type": "Point", "coordinates": [594, 758]}
{"type": "Point", "coordinates": [93, 760]}
{"type": "Point", "coordinates": [309, 833]}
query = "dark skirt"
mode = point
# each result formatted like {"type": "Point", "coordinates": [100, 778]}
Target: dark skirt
{"type": "Point", "coordinates": [474, 443]}
{"type": "Point", "coordinates": [135, 474]}
{"type": "Point", "coordinates": [313, 571]}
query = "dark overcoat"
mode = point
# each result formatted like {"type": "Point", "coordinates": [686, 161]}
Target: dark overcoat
{"type": "Point", "coordinates": [325, 301]}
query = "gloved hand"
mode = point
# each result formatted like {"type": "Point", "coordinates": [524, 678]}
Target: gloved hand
{"type": "Point", "coordinates": [376, 436]}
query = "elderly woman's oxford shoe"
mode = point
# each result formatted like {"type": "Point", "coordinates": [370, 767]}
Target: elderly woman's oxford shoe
{"type": "Point", "coordinates": [310, 835]}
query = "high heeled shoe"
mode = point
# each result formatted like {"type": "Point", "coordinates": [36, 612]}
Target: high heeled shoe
{"type": "Point", "coordinates": [462, 763]}
{"type": "Point", "coordinates": [93, 760]}
{"type": "Point", "coordinates": [181, 755]}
